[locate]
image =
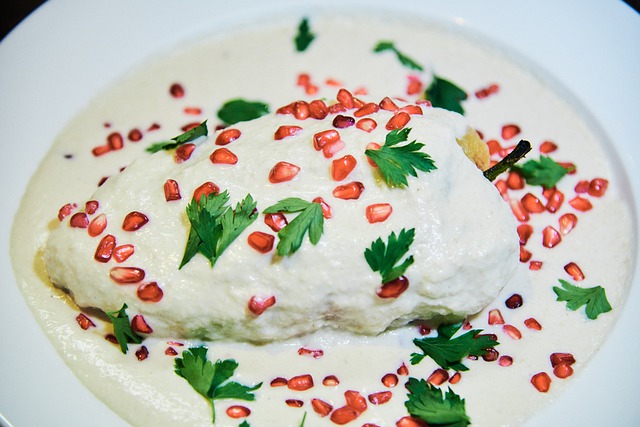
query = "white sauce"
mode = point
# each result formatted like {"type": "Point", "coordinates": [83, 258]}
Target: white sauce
{"type": "Point", "coordinates": [149, 393]}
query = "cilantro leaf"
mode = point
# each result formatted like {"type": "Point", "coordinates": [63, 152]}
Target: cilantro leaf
{"type": "Point", "coordinates": [545, 172]}
{"type": "Point", "coordinates": [304, 37]}
{"type": "Point", "coordinates": [241, 110]}
{"type": "Point", "coordinates": [396, 162]}
{"type": "Point", "coordinates": [244, 424]}
{"type": "Point", "coordinates": [383, 258]}
{"type": "Point", "coordinates": [309, 220]}
{"type": "Point", "coordinates": [595, 298]}
{"type": "Point", "coordinates": [404, 59]}
{"type": "Point", "coordinates": [122, 328]}
{"type": "Point", "coordinates": [183, 138]}
{"type": "Point", "coordinates": [428, 403]}
{"type": "Point", "coordinates": [214, 225]}
{"type": "Point", "coordinates": [445, 94]}
{"type": "Point", "coordinates": [211, 379]}
{"type": "Point", "coordinates": [448, 352]}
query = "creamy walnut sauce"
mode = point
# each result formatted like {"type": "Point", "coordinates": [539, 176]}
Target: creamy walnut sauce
{"type": "Point", "coordinates": [147, 392]}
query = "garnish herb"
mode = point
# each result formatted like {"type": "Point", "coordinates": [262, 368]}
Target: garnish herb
{"type": "Point", "coordinates": [428, 403]}
{"type": "Point", "coordinates": [383, 258]}
{"type": "Point", "coordinates": [595, 298]}
{"type": "Point", "coordinates": [448, 352]}
{"type": "Point", "coordinates": [445, 94]}
{"type": "Point", "coordinates": [211, 379]}
{"type": "Point", "coordinates": [309, 220]}
{"type": "Point", "coordinates": [244, 424]}
{"type": "Point", "coordinates": [396, 162]}
{"type": "Point", "coordinates": [122, 328]}
{"type": "Point", "coordinates": [545, 172]}
{"type": "Point", "coordinates": [241, 110]}
{"type": "Point", "coordinates": [304, 418]}
{"type": "Point", "coordinates": [509, 160]}
{"type": "Point", "coordinates": [214, 225]}
{"type": "Point", "coordinates": [304, 37]}
{"type": "Point", "coordinates": [183, 138]}
{"type": "Point", "coordinates": [404, 59]}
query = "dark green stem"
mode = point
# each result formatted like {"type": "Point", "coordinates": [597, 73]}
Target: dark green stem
{"type": "Point", "coordinates": [509, 160]}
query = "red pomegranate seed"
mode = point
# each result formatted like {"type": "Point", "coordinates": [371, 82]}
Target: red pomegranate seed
{"type": "Point", "coordinates": [388, 104]}
{"type": "Point", "coordinates": [581, 204]}
{"type": "Point", "coordinates": [366, 124]}
{"type": "Point", "coordinates": [286, 131]}
{"type": "Point", "coordinates": [509, 131]}
{"type": "Point", "coordinates": [278, 382]}
{"type": "Point", "coordinates": [438, 377]}
{"type": "Point", "coordinates": [378, 212]}
{"type": "Point", "coordinates": [138, 324]}
{"type": "Point", "coordinates": [503, 188]}
{"type": "Point", "coordinates": [275, 221]}
{"type": "Point", "coordinates": [153, 126]}
{"type": "Point", "coordinates": [562, 371]}
{"type": "Point", "coordinates": [283, 172]}
{"type": "Point", "coordinates": [301, 110]}
{"type": "Point", "coordinates": [97, 225]}
{"type": "Point", "coordinates": [332, 148]}
{"type": "Point", "coordinates": [367, 109]}
{"type": "Point", "coordinates": [316, 354]}
{"type": "Point", "coordinates": [346, 98]}
{"type": "Point", "coordinates": [550, 237]}
{"type": "Point", "coordinates": [238, 411]}
{"type": "Point", "coordinates": [300, 382]}
{"type": "Point", "coordinates": [567, 222]}
{"type": "Point", "coordinates": [321, 407]}
{"type": "Point", "coordinates": [554, 201]}
{"type": "Point", "coordinates": [495, 317]}
{"type": "Point", "coordinates": [84, 322]}
{"type": "Point", "coordinates": [111, 338]}
{"type": "Point", "coordinates": [303, 79]}
{"type": "Point", "coordinates": [412, 110]}
{"type": "Point", "coordinates": [320, 139]}
{"type": "Point", "coordinates": [570, 167]}
{"type": "Point", "coordinates": [350, 191]}
{"type": "Point", "coordinates": [514, 301]}
{"type": "Point", "coordinates": [105, 248]}
{"type": "Point", "coordinates": [176, 90]}
{"type": "Point", "coordinates": [524, 233]}
{"type": "Point", "coordinates": [150, 292]}
{"type": "Point", "coordinates": [414, 86]}
{"type": "Point", "coordinates": [512, 331]}
{"type": "Point", "coordinates": [100, 150]}
{"type": "Point", "coordinates": [541, 381]}
{"type": "Point", "coordinates": [223, 156]}
{"type": "Point", "coordinates": [79, 220]}
{"type": "Point", "coordinates": [532, 204]}
{"type": "Point", "coordinates": [505, 361]}
{"type": "Point", "coordinates": [394, 288]}
{"type": "Point", "coordinates": [261, 242]}
{"type": "Point", "coordinates": [574, 271]}
{"type": "Point", "coordinates": [487, 91]}
{"type": "Point", "coordinates": [142, 353]}
{"type": "Point", "coordinates": [227, 136]}
{"type": "Point", "coordinates": [562, 358]}
{"type": "Point", "coordinates": [285, 109]}
{"type": "Point", "coordinates": [193, 111]}
{"type": "Point", "coordinates": [342, 122]}
{"type": "Point", "coordinates": [66, 210]}
{"type": "Point", "coordinates": [582, 187]}
{"type": "Point", "coordinates": [258, 305]}
{"type": "Point", "coordinates": [294, 403]}
{"type": "Point", "coordinates": [91, 207]}
{"type": "Point", "coordinates": [410, 422]}
{"type": "Point", "coordinates": [525, 255]}
{"type": "Point", "coordinates": [326, 209]}
{"type": "Point", "coordinates": [336, 108]}
{"type": "Point", "coordinates": [491, 355]}
{"type": "Point", "coordinates": [597, 187]}
{"type": "Point", "coordinates": [171, 190]}
{"type": "Point", "coordinates": [390, 380]}
{"type": "Point", "coordinates": [494, 147]}
{"type": "Point", "coordinates": [125, 275]}
{"type": "Point", "coordinates": [548, 147]}
{"type": "Point", "coordinates": [518, 210]}
{"type": "Point", "coordinates": [115, 141]}
{"type": "Point", "coordinates": [515, 181]}
{"type": "Point", "coordinates": [170, 351]}
{"type": "Point", "coordinates": [134, 221]}
{"type": "Point", "coordinates": [380, 398]}
{"type": "Point", "coordinates": [318, 109]}
{"type": "Point", "coordinates": [134, 135]}
{"type": "Point", "coordinates": [342, 167]}
{"type": "Point", "coordinates": [344, 415]}
{"type": "Point", "coordinates": [183, 152]}
{"type": "Point", "coordinates": [532, 323]}
{"type": "Point", "coordinates": [403, 370]}
{"type": "Point", "coordinates": [205, 190]}
{"type": "Point", "coordinates": [330, 381]}
{"type": "Point", "coordinates": [355, 400]}
{"type": "Point", "coordinates": [398, 121]}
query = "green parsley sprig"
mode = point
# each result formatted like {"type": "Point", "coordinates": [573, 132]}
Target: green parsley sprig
{"type": "Point", "coordinates": [545, 172]}
{"type": "Point", "coordinates": [427, 402]}
{"type": "Point", "coordinates": [211, 380]}
{"type": "Point", "coordinates": [310, 220]}
{"type": "Point", "coordinates": [122, 328]}
{"type": "Point", "coordinates": [443, 93]}
{"type": "Point", "coordinates": [304, 37]}
{"type": "Point", "coordinates": [594, 299]}
{"type": "Point", "coordinates": [241, 110]}
{"type": "Point", "coordinates": [383, 258]}
{"type": "Point", "coordinates": [404, 59]}
{"type": "Point", "coordinates": [183, 138]}
{"type": "Point", "coordinates": [396, 162]}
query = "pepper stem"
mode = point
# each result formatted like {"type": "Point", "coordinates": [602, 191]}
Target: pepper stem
{"type": "Point", "coordinates": [509, 160]}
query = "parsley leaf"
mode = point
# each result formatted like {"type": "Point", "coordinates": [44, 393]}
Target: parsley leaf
{"type": "Point", "coordinates": [304, 37]}
{"type": "Point", "coordinates": [448, 352]}
{"type": "Point", "coordinates": [214, 225]}
{"type": "Point", "coordinates": [309, 220]}
{"type": "Point", "coordinates": [383, 258]}
{"type": "Point", "coordinates": [427, 403]}
{"type": "Point", "coordinates": [545, 172]}
{"type": "Point", "coordinates": [122, 328]}
{"type": "Point", "coordinates": [183, 138]}
{"type": "Point", "coordinates": [396, 162]}
{"type": "Point", "coordinates": [594, 298]}
{"type": "Point", "coordinates": [404, 59]}
{"type": "Point", "coordinates": [241, 110]}
{"type": "Point", "coordinates": [445, 94]}
{"type": "Point", "coordinates": [244, 424]}
{"type": "Point", "coordinates": [211, 379]}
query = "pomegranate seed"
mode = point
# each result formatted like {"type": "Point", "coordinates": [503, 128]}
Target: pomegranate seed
{"type": "Point", "coordinates": [378, 212]}
{"type": "Point", "coordinates": [294, 403]}
{"type": "Point", "coordinates": [223, 156]}
{"type": "Point", "coordinates": [330, 381]}
{"type": "Point", "coordinates": [350, 191]}
{"type": "Point", "coordinates": [532, 204]}
{"type": "Point", "coordinates": [562, 371]}
{"type": "Point", "coordinates": [410, 422]}
{"type": "Point", "coordinates": [502, 187]}
{"type": "Point", "coordinates": [105, 248]}
{"type": "Point", "coordinates": [514, 301]}
{"type": "Point", "coordinates": [318, 109]}
{"type": "Point", "coordinates": [115, 141]}
{"type": "Point", "coordinates": [491, 355]}
{"type": "Point", "coordinates": [258, 305]}
{"type": "Point", "coordinates": [380, 397]}
{"type": "Point", "coordinates": [512, 331]}
{"type": "Point", "coordinates": [227, 136]}
{"type": "Point", "coordinates": [532, 323]}
{"type": "Point", "coordinates": [582, 187]}
{"type": "Point", "coordinates": [567, 222]}
{"type": "Point", "coordinates": [91, 207]}
{"type": "Point", "coordinates": [394, 288]}
{"type": "Point", "coordinates": [282, 172]}
{"type": "Point", "coordinates": [412, 110]}
{"type": "Point", "coordinates": [261, 242]}
{"type": "Point", "coordinates": [342, 122]}
{"type": "Point", "coordinates": [66, 210]}
{"type": "Point", "coordinates": [84, 322]}
{"type": "Point", "coordinates": [171, 190]}
{"type": "Point", "coordinates": [285, 109]}
{"type": "Point", "coordinates": [300, 382]}
{"type": "Point", "coordinates": [438, 377]}
{"type": "Point", "coordinates": [321, 407]}
{"type": "Point", "coordinates": [124, 275]}
{"type": "Point", "coordinates": [414, 86]}
{"type": "Point", "coordinates": [345, 98]}
{"type": "Point", "coordinates": [494, 147]}
{"type": "Point", "coordinates": [111, 338]}
{"type": "Point", "coordinates": [487, 91]}
{"type": "Point", "coordinates": [550, 237]}
{"type": "Point", "coordinates": [138, 324]}
{"type": "Point", "coordinates": [574, 271]}
{"type": "Point", "coordinates": [509, 131]}
{"type": "Point", "coordinates": [154, 126]}
{"type": "Point", "coordinates": [170, 351]}
{"type": "Point", "coordinates": [344, 415]}
{"type": "Point", "coordinates": [388, 104]}
{"type": "Point", "coordinates": [301, 110]}
{"type": "Point", "coordinates": [320, 139]}
{"type": "Point", "coordinates": [581, 204]}
{"type": "Point", "coordinates": [355, 400]}
{"type": "Point", "coordinates": [176, 90]}
{"type": "Point", "coordinates": [134, 221]}
{"type": "Point", "coordinates": [134, 135]}
{"type": "Point", "coordinates": [150, 292]}
{"type": "Point", "coordinates": [524, 233]}
{"type": "Point", "coordinates": [597, 187]}
{"type": "Point", "coordinates": [525, 255]}
{"type": "Point", "coordinates": [97, 225]}
{"type": "Point", "coordinates": [303, 79]}
{"type": "Point", "coordinates": [505, 361]}
{"type": "Point", "coordinates": [495, 317]}
{"type": "Point", "coordinates": [142, 353]}
{"type": "Point", "coordinates": [79, 220]}
{"type": "Point", "coordinates": [332, 148]}
{"type": "Point", "coordinates": [570, 167]}
{"type": "Point", "coordinates": [193, 111]}
{"type": "Point", "coordinates": [548, 147]}
{"type": "Point", "coordinates": [367, 109]}
{"type": "Point", "coordinates": [286, 131]}
{"type": "Point", "coordinates": [398, 121]}
{"type": "Point", "coordinates": [183, 152]}
{"type": "Point", "coordinates": [366, 124]}
{"type": "Point", "coordinates": [100, 150]}
{"type": "Point", "coordinates": [275, 221]}
{"type": "Point", "coordinates": [342, 167]}
{"type": "Point", "coordinates": [326, 209]}
{"type": "Point", "coordinates": [562, 358]}
{"type": "Point", "coordinates": [337, 108]}
{"type": "Point", "coordinates": [555, 201]}
{"type": "Point", "coordinates": [515, 181]}
{"type": "Point", "coordinates": [316, 354]}
{"type": "Point", "coordinates": [403, 370]}
{"type": "Point", "coordinates": [541, 381]}
{"type": "Point", "coordinates": [238, 411]}
{"type": "Point", "coordinates": [390, 380]}
{"type": "Point", "coordinates": [278, 382]}
{"type": "Point", "coordinates": [190, 126]}
{"type": "Point", "coordinates": [205, 190]}
{"type": "Point", "coordinates": [518, 210]}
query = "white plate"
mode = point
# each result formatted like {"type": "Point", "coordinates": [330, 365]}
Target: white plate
{"type": "Point", "coordinates": [67, 51]}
